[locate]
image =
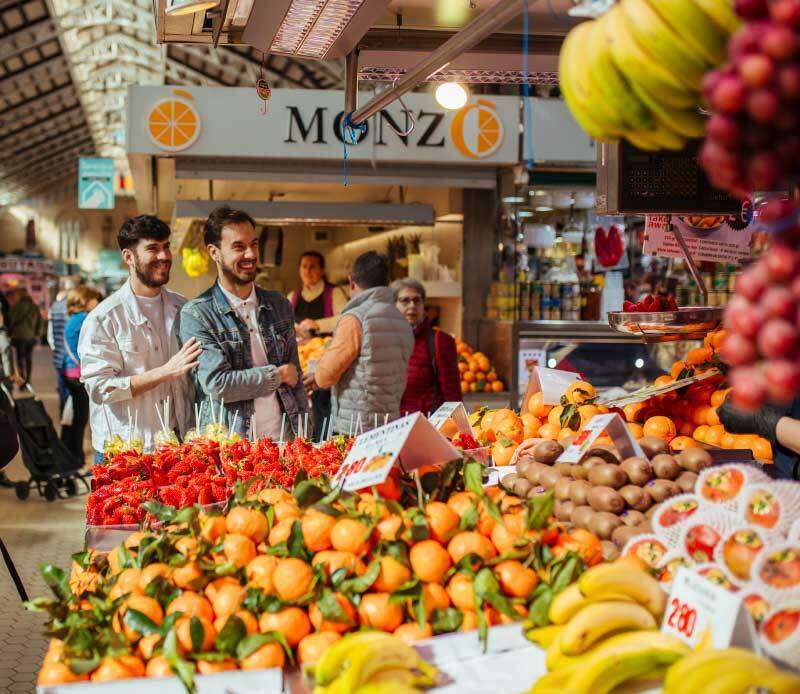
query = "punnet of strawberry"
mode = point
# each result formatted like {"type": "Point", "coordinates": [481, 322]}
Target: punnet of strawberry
{"type": "Point", "coordinates": [465, 441]}
{"type": "Point", "coordinates": [651, 304]}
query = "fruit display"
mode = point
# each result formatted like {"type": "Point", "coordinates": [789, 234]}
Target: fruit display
{"type": "Point", "coordinates": [764, 328]}
{"type": "Point", "coordinates": [636, 71]}
{"type": "Point", "coordinates": [282, 576]}
{"type": "Point", "coordinates": [651, 303]}
{"type": "Point", "coordinates": [753, 137]}
{"type": "Point", "coordinates": [503, 430]}
{"type": "Point", "coordinates": [612, 498]}
{"type": "Point", "coordinates": [311, 350]}
{"type": "Point", "coordinates": [477, 373]}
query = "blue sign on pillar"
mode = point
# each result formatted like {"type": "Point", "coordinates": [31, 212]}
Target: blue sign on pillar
{"type": "Point", "coordinates": [96, 184]}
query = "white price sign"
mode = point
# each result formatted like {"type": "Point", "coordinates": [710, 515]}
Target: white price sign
{"type": "Point", "coordinates": [553, 383]}
{"type": "Point", "coordinates": [614, 426]}
{"type": "Point", "coordinates": [455, 411]}
{"type": "Point", "coordinates": [705, 615]}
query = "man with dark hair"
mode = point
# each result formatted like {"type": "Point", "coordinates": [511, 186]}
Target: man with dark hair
{"type": "Point", "coordinates": [249, 356]}
{"type": "Point", "coordinates": [130, 359]}
{"type": "Point", "coordinates": [366, 362]}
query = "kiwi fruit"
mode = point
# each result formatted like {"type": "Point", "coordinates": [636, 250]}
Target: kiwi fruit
{"type": "Point", "coordinates": [534, 470]}
{"type": "Point", "coordinates": [562, 488]}
{"type": "Point", "coordinates": [607, 453]}
{"type": "Point", "coordinates": [536, 491]}
{"type": "Point", "coordinates": [522, 487]}
{"type": "Point", "coordinates": [623, 533]}
{"type": "Point", "coordinates": [567, 440]}
{"type": "Point", "coordinates": [563, 510]}
{"type": "Point", "coordinates": [686, 481]}
{"type": "Point", "coordinates": [578, 491]}
{"type": "Point", "coordinates": [604, 524]}
{"type": "Point", "coordinates": [608, 476]}
{"type": "Point", "coordinates": [636, 497]}
{"type": "Point", "coordinates": [606, 499]}
{"type": "Point", "coordinates": [580, 516]}
{"type": "Point", "coordinates": [548, 478]}
{"type": "Point", "coordinates": [507, 481]}
{"type": "Point", "coordinates": [592, 461]}
{"type": "Point", "coordinates": [523, 463]}
{"type": "Point", "coordinates": [632, 517]}
{"type": "Point", "coordinates": [661, 490]}
{"type": "Point", "coordinates": [565, 469]}
{"type": "Point", "coordinates": [665, 466]}
{"type": "Point", "coordinates": [579, 472]}
{"type": "Point", "coordinates": [547, 452]}
{"type": "Point", "coordinates": [652, 446]}
{"type": "Point", "coordinates": [609, 550]}
{"type": "Point", "coordinates": [694, 459]}
{"type": "Point", "coordinates": [638, 470]}
{"type": "Point", "coordinates": [646, 526]}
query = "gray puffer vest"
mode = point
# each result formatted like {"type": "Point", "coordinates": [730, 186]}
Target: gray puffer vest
{"type": "Point", "coordinates": [375, 381]}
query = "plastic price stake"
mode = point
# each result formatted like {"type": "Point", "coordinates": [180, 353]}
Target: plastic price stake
{"type": "Point", "coordinates": [614, 426]}
{"type": "Point", "coordinates": [705, 615]}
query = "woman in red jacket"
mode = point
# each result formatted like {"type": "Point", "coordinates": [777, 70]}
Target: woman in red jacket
{"type": "Point", "coordinates": [433, 376]}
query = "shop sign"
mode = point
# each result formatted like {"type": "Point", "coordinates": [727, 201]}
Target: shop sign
{"type": "Point", "coordinates": [613, 425]}
{"type": "Point", "coordinates": [716, 239]}
{"type": "Point", "coordinates": [412, 439]}
{"type": "Point", "coordinates": [307, 124]}
{"type": "Point", "coordinates": [26, 266]}
{"type": "Point", "coordinates": [96, 184]}
{"type": "Point", "coordinates": [556, 135]}
{"type": "Point", "coordinates": [705, 615]}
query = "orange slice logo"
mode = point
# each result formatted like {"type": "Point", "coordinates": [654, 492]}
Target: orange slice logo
{"type": "Point", "coordinates": [476, 130]}
{"type": "Point", "coordinates": [174, 123]}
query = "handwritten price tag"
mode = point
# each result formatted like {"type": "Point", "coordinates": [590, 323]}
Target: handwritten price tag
{"type": "Point", "coordinates": [705, 615]}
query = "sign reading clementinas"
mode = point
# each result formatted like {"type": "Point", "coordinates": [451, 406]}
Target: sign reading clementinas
{"type": "Point", "coordinates": [307, 124]}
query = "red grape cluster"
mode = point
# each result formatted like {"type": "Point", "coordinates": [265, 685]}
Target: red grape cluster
{"type": "Point", "coordinates": [763, 317]}
{"type": "Point", "coordinates": [753, 136]}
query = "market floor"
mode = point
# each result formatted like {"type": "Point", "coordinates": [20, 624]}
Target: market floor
{"type": "Point", "coordinates": [33, 531]}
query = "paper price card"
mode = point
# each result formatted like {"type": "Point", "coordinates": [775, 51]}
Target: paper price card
{"type": "Point", "coordinates": [553, 383]}
{"type": "Point", "coordinates": [614, 426]}
{"type": "Point", "coordinates": [705, 615]}
{"type": "Point", "coordinates": [708, 238]}
{"type": "Point", "coordinates": [375, 452]}
{"type": "Point", "coordinates": [454, 411]}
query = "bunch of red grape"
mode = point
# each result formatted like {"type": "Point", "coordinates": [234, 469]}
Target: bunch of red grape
{"type": "Point", "coordinates": [763, 317]}
{"type": "Point", "coordinates": [753, 136]}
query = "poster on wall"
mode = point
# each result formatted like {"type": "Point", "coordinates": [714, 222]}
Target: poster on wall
{"type": "Point", "coordinates": [95, 183]}
{"type": "Point", "coordinates": [721, 239]}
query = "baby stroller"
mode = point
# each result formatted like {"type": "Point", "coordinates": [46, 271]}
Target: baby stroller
{"type": "Point", "coordinates": [53, 469]}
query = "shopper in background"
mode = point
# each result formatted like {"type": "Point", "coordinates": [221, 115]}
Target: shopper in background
{"type": "Point", "coordinates": [8, 377]}
{"type": "Point", "coordinates": [249, 349]}
{"type": "Point", "coordinates": [779, 425]}
{"type": "Point", "coordinates": [129, 353]}
{"type": "Point", "coordinates": [80, 301]}
{"type": "Point", "coordinates": [317, 304]}
{"type": "Point", "coordinates": [433, 376]}
{"type": "Point", "coordinates": [366, 362]}
{"type": "Point", "coordinates": [26, 329]}
{"type": "Point", "coordinates": [55, 335]}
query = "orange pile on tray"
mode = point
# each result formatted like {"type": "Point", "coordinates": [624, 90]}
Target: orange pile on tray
{"type": "Point", "coordinates": [477, 373]}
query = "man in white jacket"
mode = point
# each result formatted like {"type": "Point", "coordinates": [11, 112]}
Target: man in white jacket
{"type": "Point", "coordinates": [130, 359]}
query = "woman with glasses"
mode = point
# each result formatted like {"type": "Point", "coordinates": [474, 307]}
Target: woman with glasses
{"type": "Point", "coordinates": [433, 376]}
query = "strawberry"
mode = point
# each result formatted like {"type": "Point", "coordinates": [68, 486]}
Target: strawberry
{"type": "Point", "coordinates": [628, 306]}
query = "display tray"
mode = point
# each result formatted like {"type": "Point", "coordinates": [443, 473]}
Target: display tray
{"type": "Point", "coordinates": [686, 323]}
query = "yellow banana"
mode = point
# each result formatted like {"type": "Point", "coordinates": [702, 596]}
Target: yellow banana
{"type": "Point", "coordinates": [659, 138]}
{"type": "Point", "coordinates": [570, 601]}
{"type": "Point", "coordinates": [386, 688]}
{"type": "Point", "coordinates": [739, 679]}
{"type": "Point", "coordinates": [694, 26]}
{"type": "Point", "coordinates": [639, 67]}
{"type": "Point", "coordinates": [597, 621]}
{"type": "Point", "coordinates": [333, 661]}
{"type": "Point", "coordinates": [544, 636]}
{"type": "Point", "coordinates": [625, 657]}
{"type": "Point", "coordinates": [686, 122]}
{"type": "Point", "coordinates": [781, 683]}
{"type": "Point", "coordinates": [573, 76]}
{"type": "Point", "coordinates": [611, 84]}
{"type": "Point", "coordinates": [657, 38]}
{"type": "Point", "coordinates": [689, 675]}
{"type": "Point", "coordinates": [613, 579]}
{"type": "Point", "coordinates": [390, 653]}
{"type": "Point", "coordinates": [722, 14]}
{"type": "Point", "coordinates": [554, 680]}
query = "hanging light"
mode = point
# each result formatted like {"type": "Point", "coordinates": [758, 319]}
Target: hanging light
{"type": "Point", "coordinates": [175, 8]}
{"type": "Point", "coordinates": [451, 95]}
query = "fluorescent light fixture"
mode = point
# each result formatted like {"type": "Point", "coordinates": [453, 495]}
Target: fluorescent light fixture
{"type": "Point", "coordinates": [311, 27]}
{"type": "Point", "coordinates": [513, 199]}
{"type": "Point", "coordinates": [451, 95]}
{"type": "Point", "coordinates": [524, 214]}
{"type": "Point", "coordinates": [175, 8]}
{"type": "Point", "coordinates": [543, 208]}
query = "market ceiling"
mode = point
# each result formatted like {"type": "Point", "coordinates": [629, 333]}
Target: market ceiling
{"type": "Point", "coordinates": [65, 66]}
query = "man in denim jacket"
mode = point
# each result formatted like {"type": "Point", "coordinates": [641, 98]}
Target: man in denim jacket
{"type": "Point", "coordinates": [249, 356]}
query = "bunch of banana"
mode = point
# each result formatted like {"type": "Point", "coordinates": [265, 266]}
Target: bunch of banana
{"type": "Point", "coordinates": [605, 632]}
{"type": "Point", "coordinates": [372, 662]}
{"type": "Point", "coordinates": [636, 71]}
{"type": "Point", "coordinates": [728, 671]}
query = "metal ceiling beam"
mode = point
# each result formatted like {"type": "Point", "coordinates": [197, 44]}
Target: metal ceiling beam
{"type": "Point", "coordinates": [32, 36]}
{"type": "Point", "coordinates": [46, 157]}
{"type": "Point", "coordinates": [34, 102]}
{"type": "Point", "coordinates": [37, 123]}
{"type": "Point", "coordinates": [37, 138]}
{"type": "Point", "coordinates": [56, 61]}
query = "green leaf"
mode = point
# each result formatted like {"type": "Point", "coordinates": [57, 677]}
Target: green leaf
{"type": "Point", "coordinates": [568, 572]}
{"type": "Point", "coordinates": [140, 622]}
{"type": "Point", "coordinates": [169, 622]}
{"type": "Point", "coordinates": [83, 666]}
{"type": "Point", "coordinates": [362, 583]}
{"type": "Point", "coordinates": [250, 644]}
{"type": "Point", "coordinates": [469, 521]}
{"type": "Point", "coordinates": [227, 569]}
{"type": "Point", "coordinates": [686, 372]}
{"type": "Point", "coordinates": [196, 633]}
{"type": "Point", "coordinates": [539, 611]}
{"type": "Point", "coordinates": [182, 669]}
{"type": "Point", "coordinates": [210, 657]}
{"type": "Point", "coordinates": [446, 620]}
{"type": "Point", "coordinates": [79, 641]}
{"type": "Point", "coordinates": [473, 477]}
{"type": "Point", "coordinates": [150, 547]}
{"type": "Point", "coordinates": [326, 509]}
{"type": "Point", "coordinates": [230, 635]}
{"type": "Point", "coordinates": [338, 576]}
{"type": "Point", "coordinates": [57, 580]}
{"type": "Point", "coordinates": [162, 590]}
{"type": "Point", "coordinates": [419, 529]}
{"type": "Point", "coordinates": [307, 493]}
{"type": "Point", "coordinates": [331, 610]}
{"type": "Point", "coordinates": [408, 591]}
{"type": "Point", "coordinates": [160, 511]}
{"type": "Point", "coordinates": [538, 510]}
{"type": "Point", "coordinates": [82, 559]}
{"type": "Point", "coordinates": [396, 550]}
{"type": "Point", "coordinates": [186, 515]}
{"type": "Point", "coordinates": [296, 545]}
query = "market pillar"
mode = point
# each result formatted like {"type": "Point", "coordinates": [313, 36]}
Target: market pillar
{"type": "Point", "coordinates": [479, 206]}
